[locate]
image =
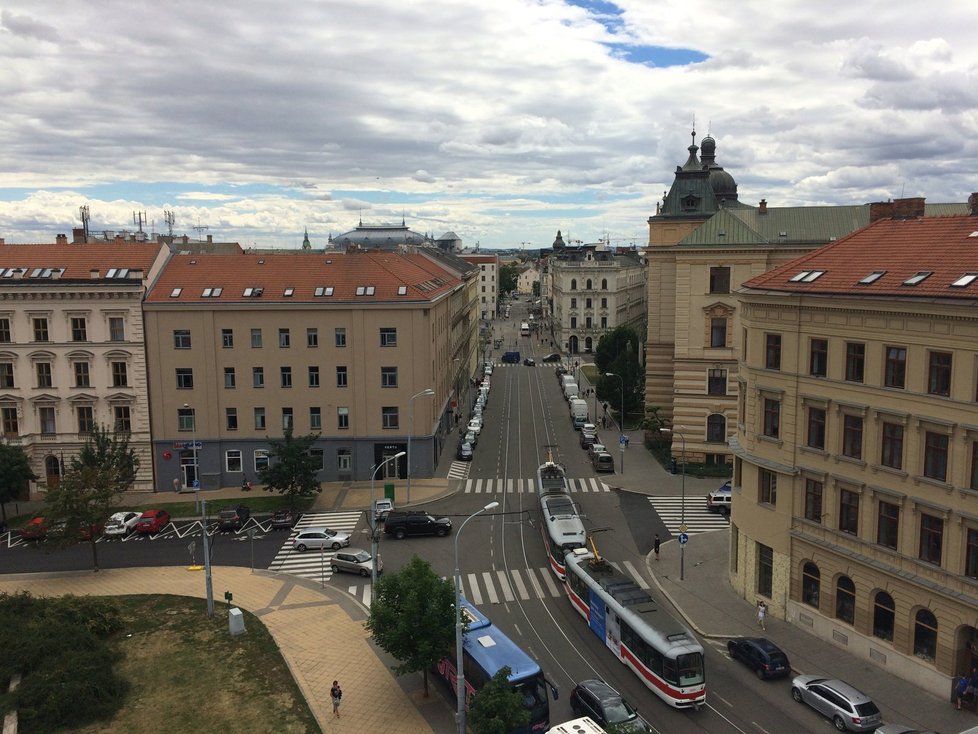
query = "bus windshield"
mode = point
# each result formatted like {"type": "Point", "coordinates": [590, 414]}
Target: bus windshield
{"type": "Point", "coordinates": [690, 669]}
{"type": "Point", "coordinates": [534, 692]}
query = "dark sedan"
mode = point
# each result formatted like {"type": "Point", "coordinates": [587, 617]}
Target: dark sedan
{"type": "Point", "coordinates": [604, 704]}
{"type": "Point", "coordinates": [760, 655]}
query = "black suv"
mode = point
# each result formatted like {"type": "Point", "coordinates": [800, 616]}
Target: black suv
{"type": "Point", "coordinates": [233, 518]}
{"type": "Point", "coordinates": [761, 655]}
{"type": "Point", "coordinates": [403, 524]}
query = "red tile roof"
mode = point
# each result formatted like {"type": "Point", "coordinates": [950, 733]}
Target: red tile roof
{"type": "Point", "coordinates": [78, 260]}
{"type": "Point", "coordinates": [945, 247]}
{"type": "Point", "coordinates": [386, 272]}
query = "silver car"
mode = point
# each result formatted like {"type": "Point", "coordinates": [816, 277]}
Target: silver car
{"type": "Point", "coordinates": [848, 708]}
{"type": "Point", "coordinates": [320, 538]}
{"type": "Point", "coordinates": [354, 560]}
{"type": "Point", "coordinates": [121, 523]}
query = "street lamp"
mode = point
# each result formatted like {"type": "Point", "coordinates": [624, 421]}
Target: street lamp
{"type": "Point", "coordinates": [621, 439]}
{"type": "Point", "coordinates": [682, 511]}
{"type": "Point", "coordinates": [373, 515]}
{"type": "Point", "coordinates": [459, 670]}
{"type": "Point", "coordinates": [427, 391]}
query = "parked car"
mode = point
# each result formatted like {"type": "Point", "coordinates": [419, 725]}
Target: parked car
{"type": "Point", "coordinates": [34, 530]}
{"type": "Point", "coordinates": [284, 519]}
{"type": "Point", "coordinates": [487, 368]}
{"type": "Point", "coordinates": [403, 524]}
{"type": "Point", "coordinates": [464, 451]}
{"type": "Point", "coordinates": [381, 508]}
{"type": "Point", "coordinates": [120, 523]}
{"type": "Point", "coordinates": [475, 425]}
{"type": "Point", "coordinates": [603, 462]}
{"type": "Point", "coordinates": [760, 655]}
{"type": "Point", "coordinates": [319, 538]}
{"type": "Point", "coordinates": [552, 357]}
{"type": "Point", "coordinates": [588, 438]}
{"type": "Point", "coordinates": [529, 362]}
{"type": "Point", "coordinates": [605, 705]}
{"type": "Point", "coordinates": [848, 708]}
{"type": "Point", "coordinates": [560, 370]}
{"type": "Point", "coordinates": [720, 499]}
{"type": "Point", "coordinates": [471, 437]}
{"type": "Point", "coordinates": [594, 449]}
{"type": "Point", "coordinates": [152, 521]}
{"type": "Point", "coordinates": [902, 729]}
{"type": "Point", "coordinates": [354, 560]}
{"type": "Point", "coordinates": [233, 518]}
{"type": "Point", "coordinates": [590, 427]}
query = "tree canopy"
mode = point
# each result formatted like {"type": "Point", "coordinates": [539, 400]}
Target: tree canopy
{"type": "Point", "coordinates": [619, 352]}
{"type": "Point", "coordinates": [15, 473]}
{"type": "Point", "coordinates": [412, 617]}
{"type": "Point", "coordinates": [292, 469]}
{"type": "Point", "coordinates": [508, 278]}
{"type": "Point", "coordinates": [497, 708]}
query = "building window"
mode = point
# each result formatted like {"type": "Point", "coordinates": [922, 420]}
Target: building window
{"type": "Point", "coordinates": [388, 376]}
{"type": "Point", "coordinates": [5, 336]}
{"type": "Point", "coordinates": [117, 329]}
{"type": "Point", "coordinates": [232, 461]}
{"type": "Point", "coordinates": [79, 329]}
{"type": "Point", "coordinates": [186, 419]}
{"type": "Point", "coordinates": [231, 419]}
{"type": "Point", "coordinates": [229, 378]}
{"type": "Point", "coordinates": [317, 459]}
{"type": "Point", "coordinates": [342, 418]}
{"type": "Point", "coordinates": [716, 382]}
{"type": "Point", "coordinates": [284, 339]}
{"type": "Point", "coordinates": [888, 524]}
{"type": "Point", "coordinates": [181, 339]}
{"type": "Point", "coordinates": [6, 374]}
{"type": "Point", "coordinates": [312, 337]}
{"type": "Point", "coordinates": [884, 616]}
{"type": "Point", "coordinates": [344, 461]}
{"type": "Point", "coordinates": [573, 322]}
{"type": "Point", "coordinates": [285, 374]}
{"type": "Point", "coordinates": [939, 374]}
{"type": "Point", "coordinates": [341, 377]}
{"type": "Point", "coordinates": [11, 428]}
{"type": "Point", "coordinates": [315, 418]}
{"type": "Point", "coordinates": [185, 378]}
{"type": "Point", "coordinates": [971, 554]}
{"type": "Point", "coordinates": [935, 455]}
{"type": "Point", "coordinates": [845, 599]}
{"type": "Point", "coordinates": [256, 338]}
{"type": "Point", "coordinates": [768, 480]}
{"type": "Point", "coordinates": [40, 329]}
{"type": "Point", "coordinates": [340, 336]}
{"type": "Point", "coordinates": [313, 376]}
{"type": "Point", "coordinates": [388, 337]}
{"type": "Point", "coordinates": [83, 376]}
{"type": "Point", "coordinates": [852, 436]}
{"type": "Point", "coordinates": [816, 428]}
{"type": "Point", "coordinates": [719, 279]}
{"type": "Point", "coordinates": [44, 376]}
{"type": "Point", "coordinates": [925, 634]}
{"type": "Point", "coordinates": [849, 512]}
{"type": "Point", "coordinates": [604, 322]}
{"type": "Point", "coordinates": [818, 358]}
{"type": "Point", "coordinates": [120, 375]}
{"type": "Point", "coordinates": [86, 418]}
{"type": "Point", "coordinates": [895, 372]}
{"type": "Point", "coordinates": [573, 285]}
{"type": "Point", "coordinates": [811, 584]}
{"type": "Point", "coordinates": [261, 459]}
{"type": "Point", "coordinates": [813, 500]}
{"type": "Point", "coordinates": [772, 351]}
{"type": "Point", "coordinates": [891, 454]}
{"type": "Point", "coordinates": [258, 377]}
{"type": "Point", "coordinates": [604, 302]}
{"type": "Point", "coordinates": [604, 284]}
{"type": "Point", "coordinates": [718, 332]}
{"type": "Point", "coordinates": [227, 339]}
{"type": "Point", "coordinates": [287, 419]}
{"type": "Point", "coordinates": [123, 418]}
{"type": "Point", "coordinates": [772, 418]}
{"type": "Point", "coordinates": [765, 569]}
{"type": "Point", "coordinates": [46, 416]}
{"type": "Point", "coordinates": [716, 428]}
{"type": "Point", "coordinates": [259, 419]}
{"type": "Point", "coordinates": [389, 417]}
{"type": "Point", "coordinates": [573, 302]}
{"type": "Point", "coordinates": [855, 361]}
{"type": "Point", "coordinates": [931, 538]}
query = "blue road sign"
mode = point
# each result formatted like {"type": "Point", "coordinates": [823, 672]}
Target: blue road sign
{"type": "Point", "coordinates": [623, 440]}
{"type": "Point", "coordinates": [683, 538]}
{"type": "Point", "coordinates": [196, 484]}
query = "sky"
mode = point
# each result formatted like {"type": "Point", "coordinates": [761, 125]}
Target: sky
{"type": "Point", "coordinates": [503, 122]}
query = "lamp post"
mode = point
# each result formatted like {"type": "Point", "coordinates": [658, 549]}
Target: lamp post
{"type": "Point", "coordinates": [193, 444]}
{"type": "Point", "coordinates": [373, 516]}
{"type": "Point", "coordinates": [427, 391]}
{"type": "Point", "coordinates": [621, 439]}
{"type": "Point", "coordinates": [682, 510]}
{"type": "Point", "coordinates": [459, 670]}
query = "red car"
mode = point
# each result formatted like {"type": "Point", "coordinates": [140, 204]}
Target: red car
{"type": "Point", "coordinates": [152, 521]}
{"type": "Point", "coordinates": [34, 530]}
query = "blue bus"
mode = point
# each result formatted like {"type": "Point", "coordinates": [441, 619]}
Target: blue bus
{"type": "Point", "coordinates": [485, 649]}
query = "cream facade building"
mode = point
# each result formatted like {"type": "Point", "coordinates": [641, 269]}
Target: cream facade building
{"type": "Point", "coordinates": [488, 284]}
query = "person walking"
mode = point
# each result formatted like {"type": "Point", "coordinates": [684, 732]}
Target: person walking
{"type": "Point", "coordinates": [761, 614]}
{"type": "Point", "coordinates": [655, 546]}
{"type": "Point", "coordinates": [336, 693]}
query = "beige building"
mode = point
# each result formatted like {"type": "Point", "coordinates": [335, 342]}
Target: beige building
{"type": "Point", "coordinates": [488, 284]}
{"type": "Point", "coordinates": [344, 346]}
{"type": "Point", "coordinates": [855, 508]}
{"type": "Point", "coordinates": [71, 349]}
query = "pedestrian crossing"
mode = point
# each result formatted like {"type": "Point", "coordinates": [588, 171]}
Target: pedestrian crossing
{"type": "Point", "coordinates": [696, 517]}
{"type": "Point", "coordinates": [313, 564]}
{"type": "Point", "coordinates": [459, 469]}
{"type": "Point", "coordinates": [529, 486]}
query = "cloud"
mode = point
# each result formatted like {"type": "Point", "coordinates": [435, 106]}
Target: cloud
{"type": "Point", "coordinates": [27, 27]}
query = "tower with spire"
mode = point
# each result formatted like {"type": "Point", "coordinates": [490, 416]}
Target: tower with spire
{"type": "Point", "coordinates": [306, 245]}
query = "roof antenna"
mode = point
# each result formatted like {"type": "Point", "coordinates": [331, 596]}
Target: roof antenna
{"type": "Point", "coordinates": [402, 218]}
{"type": "Point", "coordinates": [694, 129]}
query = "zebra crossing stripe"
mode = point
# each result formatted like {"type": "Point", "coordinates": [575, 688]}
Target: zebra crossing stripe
{"type": "Point", "coordinates": [519, 486]}
{"type": "Point", "coordinates": [520, 587]}
{"type": "Point", "coordinates": [474, 594]}
{"type": "Point", "coordinates": [537, 589]}
{"type": "Point", "coordinates": [490, 589]}
{"type": "Point", "coordinates": [548, 580]}
{"type": "Point", "coordinates": [504, 585]}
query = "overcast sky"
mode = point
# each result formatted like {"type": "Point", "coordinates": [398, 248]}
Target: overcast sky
{"type": "Point", "coordinates": [501, 121]}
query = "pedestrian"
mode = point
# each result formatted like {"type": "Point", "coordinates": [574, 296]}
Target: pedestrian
{"type": "Point", "coordinates": [761, 614]}
{"type": "Point", "coordinates": [961, 690]}
{"type": "Point", "coordinates": [655, 546]}
{"type": "Point", "coordinates": [336, 693]}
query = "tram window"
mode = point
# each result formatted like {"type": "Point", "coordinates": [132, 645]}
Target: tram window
{"type": "Point", "coordinates": [669, 671]}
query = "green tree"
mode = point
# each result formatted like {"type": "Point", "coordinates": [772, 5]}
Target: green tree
{"type": "Point", "coordinates": [412, 617]}
{"type": "Point", "coordinates": [292, 469]}
{"type": "Point", "coordinates": [508, 278]}
{"type": "Point", "coordinates": [15, 473]}
{"type": "Point", "coordinates": [90, 489]}
{"type": "Point", "coordinates": [497, 708]}
{"type": "Point", "coordinates": [619, 352]}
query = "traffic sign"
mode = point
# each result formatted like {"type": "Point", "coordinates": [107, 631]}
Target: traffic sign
{"type": "Point", "coordinates": [196, 484]}
{"type": "Point", "coordinates": [683, 538]}
{"type": "Point", "coordinates": [623, 440]}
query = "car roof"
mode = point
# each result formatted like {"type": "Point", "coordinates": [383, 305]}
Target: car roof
{"type": "Point", "coordinates": [853, 695]}
{"type": "Point", "coordinates": [600, 689]}
{"type": "Point", "coordinates": [762, 643]}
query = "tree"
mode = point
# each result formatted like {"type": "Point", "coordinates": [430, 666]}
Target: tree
{"type": "Point", "coordinates": [292, 469]}
{"type": "Point", "coordinates": [619, 352]}
{"type": "Point", "coordinates": [88, 492]}
{"type": "Point", "coordinates": [412, 617]}
{"type": "Point", "coordinates": [508, 278]}
{"type": "Point", "coordinates": [497, 708]}
{"type": "Point", "coordinates": [15, 473]}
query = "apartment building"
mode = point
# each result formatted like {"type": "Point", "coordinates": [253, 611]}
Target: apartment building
{"type": "Point", "coordinates": [855, 510]}
{"type": "Point", "coordinates": [361, 349]}
{"type": "Point", "coordinates": [488, 284]}
{"type": "Point", "coordinates": [71, 349]}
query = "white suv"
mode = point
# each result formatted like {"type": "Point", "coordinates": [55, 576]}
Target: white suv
{"type": "Point", "coordinates": [719, 499]}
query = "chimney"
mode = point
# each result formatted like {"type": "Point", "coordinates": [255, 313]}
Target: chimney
{"type": "Point", "coordinates": [880, 210]}
{"type": "Point", "coordinates": [78, 235]}
{"type": "Point", "coordinates": [762, 207]}
{"type": "Point", "coordinates": [61, 239]}
{"type": "Point", "coordinates": [972, 205]}
{"type": "Point", "coordinates": [210, 239]}
{"type": "Point", "coordinates": [912, 208]}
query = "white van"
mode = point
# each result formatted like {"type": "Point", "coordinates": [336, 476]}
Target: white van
{"type": "Point", "coordinates": [578, 412]}
{"type": "Point", "coordinates": [571, 390]}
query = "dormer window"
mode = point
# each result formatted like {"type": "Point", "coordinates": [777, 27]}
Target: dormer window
{"type": "Point", "coordinates": [918, 278]}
